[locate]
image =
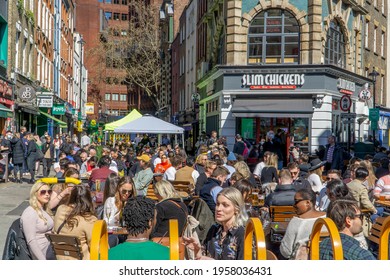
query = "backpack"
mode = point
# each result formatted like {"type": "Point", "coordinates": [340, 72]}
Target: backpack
{"type": "Point", "coordinates": [16, 247]}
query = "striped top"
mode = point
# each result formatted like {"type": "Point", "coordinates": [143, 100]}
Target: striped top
{"type": "Point", "coordinates": [383, 185]}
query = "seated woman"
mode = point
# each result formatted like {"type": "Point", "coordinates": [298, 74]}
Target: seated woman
{"type": "Point", "coordinates": [163, 165]}
{"type": "Point", "coordinates": [61, 192]}
{"type": "Point", "coordinates": [139, 217]}
{"type": "Point", "coordinates": [36, 222]}
{"type": "Point", "coordinates": [170, 206]}
{"type": "Point", "coordinates": [77, 218]}
{"type": "Point", "coordinates": [225, 240]}
{"type": "Point", "coordinates": [113, 206]}
{"type": "Point", "coordinates": [242, 168]}
{"type": "Point", "coordinates": [299, 228]}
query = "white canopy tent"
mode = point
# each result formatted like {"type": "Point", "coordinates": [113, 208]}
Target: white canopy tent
{"type": "Point", "coordinates": [150, 125]}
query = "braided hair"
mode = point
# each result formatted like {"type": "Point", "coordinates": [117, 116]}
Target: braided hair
{"type": "Point", "coordinates": [137, 214]}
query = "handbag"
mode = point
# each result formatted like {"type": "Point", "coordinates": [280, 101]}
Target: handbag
{"type": "Point", "coordinates": [39, 155]}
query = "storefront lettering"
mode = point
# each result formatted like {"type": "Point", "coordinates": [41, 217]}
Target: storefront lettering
{"type": "Point", "coordinates": [345, 86]}
{"type": "Point", "coordinates": [273, 81]}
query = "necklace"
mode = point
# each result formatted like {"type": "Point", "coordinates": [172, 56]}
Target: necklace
{"type": "Point", "coordinates": [140, 239]}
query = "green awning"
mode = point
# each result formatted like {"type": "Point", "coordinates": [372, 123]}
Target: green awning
{"type": "Point", "coordinates": [61, 123]}
{"type": "Point", "coordinates": [5, 112]}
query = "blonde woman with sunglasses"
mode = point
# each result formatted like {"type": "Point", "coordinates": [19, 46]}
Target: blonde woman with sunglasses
{"type": "Point", "coordinates": [36, 222]}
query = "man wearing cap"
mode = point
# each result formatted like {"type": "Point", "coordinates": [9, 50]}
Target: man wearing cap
{"type": "Point", "coordinates": [229, 164]}
{"type": "Point", "coordinates": [143, 178]}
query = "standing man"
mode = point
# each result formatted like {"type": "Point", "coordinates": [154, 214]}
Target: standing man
{"type": "Point", "coordinates": [239, 146]}
{"type": "Point", "coordinates": [48, 155]}
{"type": "Point", "coordinates": [333, 155]}
{"type": "Point", "coordinates": [348, 219]}
{"type": "Point", "coordinates": [212, 139]}
{"type": "Point", "coordinates": [85, 140]}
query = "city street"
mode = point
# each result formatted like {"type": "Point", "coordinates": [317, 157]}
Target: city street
{"type": "Point", "coordinates": [13, 200]}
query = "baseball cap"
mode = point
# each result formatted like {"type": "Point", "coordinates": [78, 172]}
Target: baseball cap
{"type": "Point", "coordinates": [144, 157]}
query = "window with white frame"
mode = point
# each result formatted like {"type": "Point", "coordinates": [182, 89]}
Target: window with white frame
{"type": "Point", "coordinates": [123, 97]}
{"type": "Point", "coordinates": [366, 34]}
{"type": "Point", "coordinates": [382, 88]}
{"type": "Point", "coordinates": [335, 45]}
{"type": "Point", "coordinates": [107, 96]}
{"type": "Point", "coordinates": [273, 38]}
{"type": "Point", "coordinates": [115, 97]}
{"type": "Point", "coordinates": [383, 44]}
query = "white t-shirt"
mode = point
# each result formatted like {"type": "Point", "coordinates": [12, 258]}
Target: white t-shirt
{"type": "Point", "coordinates": [170, 174]}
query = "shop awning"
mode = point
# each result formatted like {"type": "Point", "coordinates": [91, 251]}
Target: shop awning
{"type": "Point", "coordinates": [28, 109]}
{"type": "Point", "coordinates": [248, 108]}
{"type": "Point", "coordinates": [5, 112]}
{"type": "Point", "coordinates": [61, 123]}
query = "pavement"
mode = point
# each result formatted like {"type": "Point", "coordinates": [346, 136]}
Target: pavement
{"type": "Point", "coordinates": [13, 200]}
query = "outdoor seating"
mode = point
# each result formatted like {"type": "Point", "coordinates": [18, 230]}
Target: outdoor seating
{"type": "Point", "coordinates": [65, 245]}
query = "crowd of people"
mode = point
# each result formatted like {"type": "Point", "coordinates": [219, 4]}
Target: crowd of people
{"type": "Point", "coordinates": [320, 186]}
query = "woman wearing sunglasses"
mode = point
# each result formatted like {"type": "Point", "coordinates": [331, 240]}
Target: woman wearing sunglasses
{"type": "Point", "coordinates": [36, 222]}
{"type": "Point", "coordinates": [299, 228]}
{"type": "Point", "coordinates": [113, 206]}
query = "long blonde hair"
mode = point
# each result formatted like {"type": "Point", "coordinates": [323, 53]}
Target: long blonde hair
{"type": "Point", "coordinates": [165, 189]}
{"type": "Point", "coordinates": [242, 168]}
{"type": "Point", "coordinates": [235, 196]}
{"type": "Point", "coordinates": [272, 160]}
{"type": "Point", "coordinates": [34, 200]}
{"type": "Point", "coordinates": [371, 175]}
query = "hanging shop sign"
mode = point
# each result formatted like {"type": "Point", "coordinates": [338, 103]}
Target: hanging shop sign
{"type": "Point", "coordinates": [45, 101]}
{"type": "Point", "coordinates": [346, 87]}
{"type": "Point", "coordinates": [26, 94]}
{"type": "Point", "coordinates": [89, 108]}
{"type": "Point", "coordinates": [365, 93]}
{"type": "Point", "coordinates": [59, 109]}
{"type": "Point", "coordinates": [272, 81]}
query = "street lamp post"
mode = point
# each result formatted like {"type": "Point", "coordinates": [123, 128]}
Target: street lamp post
{"type": "Point", "coordinates": [81, 42]}
{"type": "Point", "coordinates": [374, 74]}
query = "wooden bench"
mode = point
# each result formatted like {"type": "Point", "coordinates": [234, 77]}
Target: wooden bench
{"type": "Point", "coordinates": [150, 193]}
{"type": "Point", "coordinates": [281, 213]}
{"type": "Point", "coordinates": [65, 246]}
{"type": "Point", "coordinates": [379, 235]}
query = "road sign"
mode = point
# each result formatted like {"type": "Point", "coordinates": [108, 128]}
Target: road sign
{"type": "Point", "coordinates": [373, 114]}
{"type": "Point", "coordinates": [364, 95]}
{"type": "Point", "coordinates": [348, 115]}
{"type": "Point", "coordinates": [345, 103]}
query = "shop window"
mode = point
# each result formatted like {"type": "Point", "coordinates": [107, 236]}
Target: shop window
{"type": "Point", "coordinates": [335, 46]}
{"type": "Point", "coordinates": [273, 38]}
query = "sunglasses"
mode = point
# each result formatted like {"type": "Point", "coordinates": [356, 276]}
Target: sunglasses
{"type": "Point", "coordinates": [43, 192]}
{"type": "Point", "coordinates": [296, 201]}
{"type": "Point", "coordinates": [360, 216]}
{"type": "Point", "coordinates": [126, 192]}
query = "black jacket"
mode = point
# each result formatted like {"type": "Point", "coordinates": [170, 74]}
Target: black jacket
{"type": "Point", "coordinates": [31, 150]}
{"type": "Point", "coordinates": [282, 196]}
{"type": "Point", "coordinates": [337, 160]}
{"type": "Point", "coordinates": [18, 151]}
